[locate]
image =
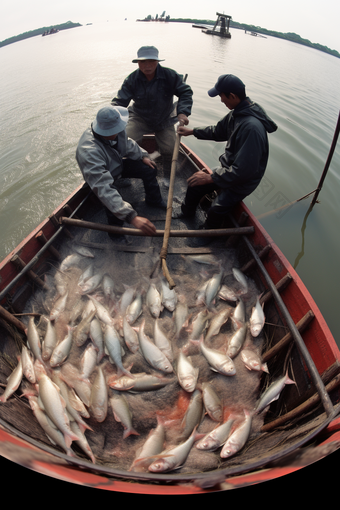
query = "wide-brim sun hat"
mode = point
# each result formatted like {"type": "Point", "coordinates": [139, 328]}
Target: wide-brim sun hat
{"type": "Point", "coordinates": [110, 120]}
{"type": "Point", "coordinates": [147, 53]}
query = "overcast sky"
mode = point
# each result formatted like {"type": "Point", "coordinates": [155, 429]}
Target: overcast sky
{"type": "Point", "coordinates": [315, 20]}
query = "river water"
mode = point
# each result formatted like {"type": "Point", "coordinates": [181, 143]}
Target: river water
{"type": "Point", "coordinates": [52, 88]}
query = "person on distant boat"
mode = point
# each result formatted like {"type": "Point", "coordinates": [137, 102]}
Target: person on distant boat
{"type": "Point", "coordinates": [151, 87]}
{"type": "Point", "coordinates": [104, 154]}
{"type": "Point", "coordinates": [244, 161]}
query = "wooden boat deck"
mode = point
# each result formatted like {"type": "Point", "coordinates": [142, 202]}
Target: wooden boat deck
{"type": "Point", "coordinates": [277, 433]}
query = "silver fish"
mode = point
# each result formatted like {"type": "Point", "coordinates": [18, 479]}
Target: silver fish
{"type": "Point", "coordinates": [71, 375]}
{"type": "Point", "coordinates": [139, 382]}
{"type": "Point", "coordinates": [33, 338]}
{"type": "Point", "coordinates": [52, 403]}
{"type": "Point", "coordinates": [134, 309]}
{"type": "Point", "coordinates": [87, 273]}
{"type": "Point", "coordinates": [52, 432]}
{"type": "Point", "coordinates": [256, 321]}
{"type": "Point", "coordinates": [82, 330]}
{"type": "Point", "coordinates": [217, 322]}
{"type": "Point", "coordinates": [76, 311]}
{"type": "Point", "coordinates": [213, 287]}
{"type": "Point", "coordinates": [97, 337]}
{"type": "Point", "coordinates": [181, 314]}
{"type": "Point", "coordinates": [62, 349]}
{"type": "Point", "coordinates": [114, 348]}
{"type": "Point", "coordinates": [102, 313]}
{"type": "Point", "coordinates": [199, 324]}
{"type": "Point", "coordinates": [227, 294]}
{"type": "Point", "coordinates": [272, 393]}
{"type": "Point", "coordinates": [70, 260]}
{"type": "Point", "coordinates": [154, 300]}
{"type": "Point", "coordinates": [218, 361]}
{"type": "Point", "coordinates": [204, 259]}
{"type": "Point", "coordinates": [236, 342]}
{"type": "Point", "coordinates": [27, 365]}
{"type": "Point", "coordinates": [126, 298]}
{"type": "Point", "coordinates": [99, 397]}
{"type": "Point", "coordinates": [122, 414]}
{"type": "Point", "coordinates": [152, 354]}
{"type": "Point", "coordinates": [217, 437]}
{"type": "Point", "coordinates": [58, 307]}
{"type": "Point", "coordinates": [61, 283]}
{"type": "Point", "coordinates": [162, 341]}
{"type": "Point", "coordinates": [173, 457]}
{"type": "Point", "coordinates": [82, 441]}
{"type": "Point", "coordinates": [187, 375]}
{"type": "Point", "coordinates": [91, 284]}
{"type": "Point", "coordinates": [88, 361]}
{"type": "Point", "coordinates": [108, 287]}
{"type": "Point", "coordinates": [252, 361]}
{"type": "Point", "coordinates": [83, 251]}
{"type": "Point", "coordinates": [212, 402]}
{"type": "Point", "coordinates": [239, 314]}
{"type": "Point", "coordinates": [200, 294]}
{"type": "Point", "coordinates": [241, 278]}
{"type": "Point", "coordinates": [72, 406]}
{"type": "Point", "coordinates": [13, 382]}
{"type": "Point", "coordinates": [130, 336]}
{"type": "Point", "coordinates": [169, 296]}
{"type": "Point", "coordinates": [238, 438]}
{"type": "Point", "coordinates": [153, 445]}
{"type": "Point", "coordinates": [193, 415]}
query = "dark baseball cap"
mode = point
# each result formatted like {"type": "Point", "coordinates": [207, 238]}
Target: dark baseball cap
{"type": "Point", "coordinates": [227, 83]}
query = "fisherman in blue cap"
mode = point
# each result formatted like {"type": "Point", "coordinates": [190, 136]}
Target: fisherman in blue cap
{"type": "Point", "coordinates": [104, 155]}
{"type": "Point", "coordinates": [243, 163]}
{"type": "Point", "coordinates": [152, 87]}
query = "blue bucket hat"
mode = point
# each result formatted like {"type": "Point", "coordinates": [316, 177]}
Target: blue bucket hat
{"type": "Point", "coordinates": [147, 53]}
{"type": "Point", "coordinates": [110, 120]}
{"type": "Point", "coordinates": [228, 83]}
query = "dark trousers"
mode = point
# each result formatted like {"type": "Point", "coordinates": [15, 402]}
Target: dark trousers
{"type": "Point", "coordinates": [221, 206]}
{"type": "Point", "coordinates": [138, 170]}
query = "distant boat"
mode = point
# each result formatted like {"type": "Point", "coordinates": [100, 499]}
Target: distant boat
{"type": "Point", "coordinates": [49, 32]}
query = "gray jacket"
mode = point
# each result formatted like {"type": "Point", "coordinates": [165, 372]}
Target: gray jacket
{"type": "Point", "coordinates": [101, 163]}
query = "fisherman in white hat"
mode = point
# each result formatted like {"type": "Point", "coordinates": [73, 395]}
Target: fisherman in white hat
{"type": "Point", "coordinates": [151, 87]}
{"type": "Point", "coordinates": [104, 154]}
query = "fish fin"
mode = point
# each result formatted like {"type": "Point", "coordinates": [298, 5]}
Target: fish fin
{"type": "Point", "coordinates": [129, 432]}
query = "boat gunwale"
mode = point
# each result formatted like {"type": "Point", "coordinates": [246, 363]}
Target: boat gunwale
{"type": "Point", "coordinates": [260, 234]}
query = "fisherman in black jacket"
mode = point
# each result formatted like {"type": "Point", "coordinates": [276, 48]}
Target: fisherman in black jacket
{"type": "Point", "coordinates": [244, 161]}
{"type": "Point", "coordinates": [152, 88]}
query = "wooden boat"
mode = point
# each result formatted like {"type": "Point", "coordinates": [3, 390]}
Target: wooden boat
{"type": "Point", "coordinates": [295, 339]}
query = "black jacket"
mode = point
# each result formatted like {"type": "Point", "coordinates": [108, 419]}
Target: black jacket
{"type": "Point", "coordinates": [246, 154]}
{"type": "Point", "coordinates": [153, 100]}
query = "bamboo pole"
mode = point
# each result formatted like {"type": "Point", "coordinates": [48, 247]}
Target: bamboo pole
{"type": "Point", "coordinates": [159, 233]}
{"type": "Point", "coordinates": [328, 162]}
{"type": "Point", "coordinates": [164, 250]}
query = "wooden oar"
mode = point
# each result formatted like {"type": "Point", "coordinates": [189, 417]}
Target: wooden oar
{"type": "Point", "coordinates": [164, 250]}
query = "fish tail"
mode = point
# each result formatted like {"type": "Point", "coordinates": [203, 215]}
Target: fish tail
{"type": "Point", "coordinates": [129, 432]}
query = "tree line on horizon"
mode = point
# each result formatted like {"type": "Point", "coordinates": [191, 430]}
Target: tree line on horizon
{"type": "Point", "coordinates": [289, 36]}
{"type": "Point", "coordinates": [38, 31]}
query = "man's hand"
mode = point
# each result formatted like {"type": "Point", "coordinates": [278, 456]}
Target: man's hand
{"type": "Point", "coordinates": [144, 225]}
{"type": "Point", "coordinates": [199, 178]}
{"type": "Point", "coordinates": [183, 119]}
{"type": "Point", "coordinates": [183, 131]}
{"type": "Point", "coordinates": [149, 162]}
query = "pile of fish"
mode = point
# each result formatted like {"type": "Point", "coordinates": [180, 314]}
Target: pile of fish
{"type": "Point", "coordinates": [82, 362]}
